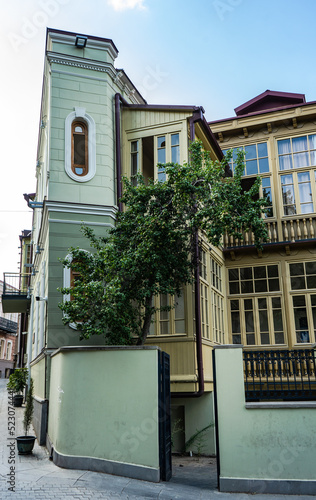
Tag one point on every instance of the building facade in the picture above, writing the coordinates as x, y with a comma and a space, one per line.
271, 294
95, 127
8, 340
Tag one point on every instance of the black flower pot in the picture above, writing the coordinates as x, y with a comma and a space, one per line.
25, 444
17, 400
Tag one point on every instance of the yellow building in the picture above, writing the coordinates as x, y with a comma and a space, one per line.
271, 295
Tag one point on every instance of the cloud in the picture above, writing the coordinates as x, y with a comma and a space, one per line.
127, 4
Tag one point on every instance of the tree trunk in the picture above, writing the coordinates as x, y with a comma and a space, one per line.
147, 320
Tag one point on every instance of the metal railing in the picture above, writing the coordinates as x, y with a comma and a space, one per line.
16, 283
7, 325
280, 375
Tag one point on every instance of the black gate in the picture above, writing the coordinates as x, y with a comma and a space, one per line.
164, 417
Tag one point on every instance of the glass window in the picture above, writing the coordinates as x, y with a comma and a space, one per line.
303, 275
256, 158
175, 148
79, 149
288, 195
134, 161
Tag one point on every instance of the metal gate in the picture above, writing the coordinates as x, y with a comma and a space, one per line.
164, 417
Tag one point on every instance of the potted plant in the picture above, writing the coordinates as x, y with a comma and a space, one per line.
16, 384
25, 443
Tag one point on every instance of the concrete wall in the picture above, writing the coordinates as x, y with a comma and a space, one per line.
103, 410
264, 447
190, 415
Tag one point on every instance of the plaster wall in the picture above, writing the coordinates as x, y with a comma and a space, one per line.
104, 405
276, 443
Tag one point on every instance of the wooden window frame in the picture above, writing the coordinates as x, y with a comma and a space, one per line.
85, 166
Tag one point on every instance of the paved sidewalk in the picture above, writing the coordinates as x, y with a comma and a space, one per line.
36, 477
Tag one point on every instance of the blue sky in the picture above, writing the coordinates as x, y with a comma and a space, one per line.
214, 53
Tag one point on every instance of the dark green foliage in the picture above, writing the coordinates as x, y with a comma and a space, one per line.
151, 250
17, 380
29, 408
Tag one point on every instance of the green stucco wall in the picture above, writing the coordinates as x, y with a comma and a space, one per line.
104, 404
198, 414
275, 443
38, 374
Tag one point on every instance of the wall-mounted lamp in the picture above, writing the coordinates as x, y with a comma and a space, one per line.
45, 299
81, 41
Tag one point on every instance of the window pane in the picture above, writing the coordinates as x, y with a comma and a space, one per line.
161, 156
180, 326
273, 271
179, 307
249, 321
261, 286
298, 300
311, 281
262, 149
276, 302
251, 152
134, 146
262, 303
246, 287
298, 283
235, 322
251, 339
248, 304
299, 143
263, 319
234, 305
236, 339
174, 139
161, 142
310, 267
277, 320
251, 167
279, 338
79, 149
265, 338
260, 272
175, 154
301, 160
296, 269
234, 287
284, 146
274, 285
246, 273
312, 141
285, 162
263, 165
233, 274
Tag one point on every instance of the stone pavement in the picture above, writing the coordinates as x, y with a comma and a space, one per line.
36, 477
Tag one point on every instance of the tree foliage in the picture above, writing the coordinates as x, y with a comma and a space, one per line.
151, 249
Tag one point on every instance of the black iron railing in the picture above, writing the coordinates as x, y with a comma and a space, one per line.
16, 283
7, 325
280, 375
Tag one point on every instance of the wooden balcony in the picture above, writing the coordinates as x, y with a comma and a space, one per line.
289, 229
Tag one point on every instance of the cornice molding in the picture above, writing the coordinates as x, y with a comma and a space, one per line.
76, 62
78, 208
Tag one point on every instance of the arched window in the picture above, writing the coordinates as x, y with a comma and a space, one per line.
79, 148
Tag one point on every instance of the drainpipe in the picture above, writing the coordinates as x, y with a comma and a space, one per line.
197, 116
118, 100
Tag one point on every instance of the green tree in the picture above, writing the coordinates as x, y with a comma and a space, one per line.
152, 249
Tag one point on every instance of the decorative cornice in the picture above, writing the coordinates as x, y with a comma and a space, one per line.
82, 209
77, 62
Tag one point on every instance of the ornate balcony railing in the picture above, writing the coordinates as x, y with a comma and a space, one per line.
285, 230
280, 375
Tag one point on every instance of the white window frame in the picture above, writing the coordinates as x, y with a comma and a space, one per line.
80, 114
